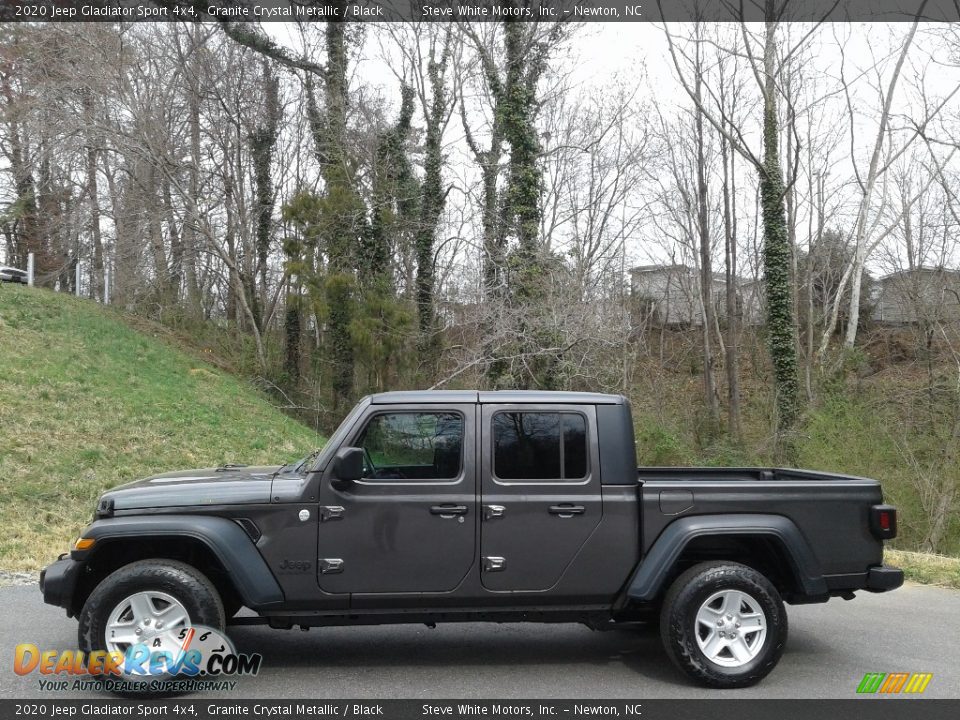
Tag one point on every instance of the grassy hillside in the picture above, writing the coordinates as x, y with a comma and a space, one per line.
87, 402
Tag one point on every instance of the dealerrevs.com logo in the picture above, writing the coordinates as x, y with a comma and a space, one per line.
192, 659
894, 683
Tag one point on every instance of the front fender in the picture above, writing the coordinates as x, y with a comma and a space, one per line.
652, 572
228, 542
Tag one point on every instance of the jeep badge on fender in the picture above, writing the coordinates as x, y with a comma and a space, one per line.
295, 565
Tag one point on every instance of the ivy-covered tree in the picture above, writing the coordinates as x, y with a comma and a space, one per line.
431, 203
302, 214
343, 223
263, 140
521, 203
394, 198
382, 325
777, 261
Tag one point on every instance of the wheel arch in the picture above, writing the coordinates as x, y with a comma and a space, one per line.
771, 544
216, 546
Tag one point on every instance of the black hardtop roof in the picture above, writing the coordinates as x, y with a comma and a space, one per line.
538, 397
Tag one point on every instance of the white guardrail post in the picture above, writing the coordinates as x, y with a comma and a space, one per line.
30, 269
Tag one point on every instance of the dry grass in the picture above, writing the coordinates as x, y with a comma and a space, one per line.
926, 568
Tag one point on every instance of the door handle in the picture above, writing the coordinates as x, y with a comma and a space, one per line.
448, 511
567, 511
493, 511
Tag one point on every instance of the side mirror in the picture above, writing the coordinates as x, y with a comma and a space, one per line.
348, 464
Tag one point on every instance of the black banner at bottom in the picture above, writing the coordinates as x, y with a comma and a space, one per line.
853, 709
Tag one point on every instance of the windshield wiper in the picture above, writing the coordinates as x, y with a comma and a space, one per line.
308, 460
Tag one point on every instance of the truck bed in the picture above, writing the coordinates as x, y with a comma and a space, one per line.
831, 511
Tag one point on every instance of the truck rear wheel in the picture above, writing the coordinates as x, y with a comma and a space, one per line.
723, 624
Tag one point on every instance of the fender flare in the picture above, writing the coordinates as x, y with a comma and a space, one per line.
652, 571
228, 542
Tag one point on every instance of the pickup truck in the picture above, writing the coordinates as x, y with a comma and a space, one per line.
446, 506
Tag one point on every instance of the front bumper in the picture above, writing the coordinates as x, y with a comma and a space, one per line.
58, 582
883, 578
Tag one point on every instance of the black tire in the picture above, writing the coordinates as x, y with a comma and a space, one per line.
678, 623
184, 582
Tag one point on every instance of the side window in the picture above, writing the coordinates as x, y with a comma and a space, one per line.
539, 446
413, 446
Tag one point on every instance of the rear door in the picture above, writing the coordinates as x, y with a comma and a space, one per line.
540, 492
409, 525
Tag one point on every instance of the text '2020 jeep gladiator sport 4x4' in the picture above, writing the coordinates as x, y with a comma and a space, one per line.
443, 506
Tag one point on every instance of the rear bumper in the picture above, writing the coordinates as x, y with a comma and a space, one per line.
883, 578
58, 582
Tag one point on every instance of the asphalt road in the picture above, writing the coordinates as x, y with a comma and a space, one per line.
831, 646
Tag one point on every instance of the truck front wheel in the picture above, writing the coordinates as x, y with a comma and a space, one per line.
148, 602
723, 624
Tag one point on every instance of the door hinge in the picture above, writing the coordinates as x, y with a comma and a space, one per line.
494, 564
330, 566
493, 511
331, 512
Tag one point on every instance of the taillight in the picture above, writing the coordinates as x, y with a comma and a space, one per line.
883, 521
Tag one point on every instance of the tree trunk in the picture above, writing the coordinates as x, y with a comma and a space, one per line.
293, 332
93, 198
230, 239
811, 270
706, 262
776, 245
431, 205
123, 272
521, 208
343, 208
176, 247
30, 237
262, 142
190, 249
155, 233
733, 311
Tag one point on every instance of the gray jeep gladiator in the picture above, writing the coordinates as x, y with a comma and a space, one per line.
446, 506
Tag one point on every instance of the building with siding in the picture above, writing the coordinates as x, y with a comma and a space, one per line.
669, 295
930, 294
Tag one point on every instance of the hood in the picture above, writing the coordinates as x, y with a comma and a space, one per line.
227, 485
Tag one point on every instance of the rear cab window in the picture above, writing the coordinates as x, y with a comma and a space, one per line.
536, 446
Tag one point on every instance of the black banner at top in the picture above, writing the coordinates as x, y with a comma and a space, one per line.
478, 10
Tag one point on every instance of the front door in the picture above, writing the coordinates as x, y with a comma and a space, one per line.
540, 492
410, 524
